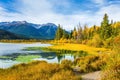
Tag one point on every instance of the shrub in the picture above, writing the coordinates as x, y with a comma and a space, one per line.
65, 75
96, 41
108, 43
117, 44
39, 70
91, 63
66, 64
112, 69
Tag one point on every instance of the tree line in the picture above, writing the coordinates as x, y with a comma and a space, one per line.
104, 34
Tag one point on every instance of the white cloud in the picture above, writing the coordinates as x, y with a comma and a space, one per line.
41, 11
112, 11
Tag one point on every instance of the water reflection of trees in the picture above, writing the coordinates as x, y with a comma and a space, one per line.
48, 55
52, 55
60, 57
45, 55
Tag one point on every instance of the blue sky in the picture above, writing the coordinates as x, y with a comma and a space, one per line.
68, 13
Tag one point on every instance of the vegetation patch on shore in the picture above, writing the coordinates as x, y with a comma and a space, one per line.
73, 48
39, 70
26, 58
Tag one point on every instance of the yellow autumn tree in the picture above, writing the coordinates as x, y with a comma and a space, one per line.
74, 33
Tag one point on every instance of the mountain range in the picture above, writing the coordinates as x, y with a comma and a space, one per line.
8, 35
30, 30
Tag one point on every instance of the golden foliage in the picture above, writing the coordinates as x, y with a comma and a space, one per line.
38, 70
77, 47
91, 63
112, 69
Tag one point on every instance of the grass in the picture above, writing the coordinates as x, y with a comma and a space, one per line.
39, 70
26, 58
112, 69
91, 63
78, 47
67, 47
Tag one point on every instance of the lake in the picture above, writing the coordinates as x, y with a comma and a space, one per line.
13, 53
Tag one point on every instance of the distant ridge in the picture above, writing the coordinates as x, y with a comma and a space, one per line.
37, 31
8, 35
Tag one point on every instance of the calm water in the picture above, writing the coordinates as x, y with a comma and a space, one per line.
12, 53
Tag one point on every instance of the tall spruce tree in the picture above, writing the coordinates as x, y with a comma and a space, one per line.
106, 29
59, 33
65, 35
85, 32
70, 35
74, 33
80, 35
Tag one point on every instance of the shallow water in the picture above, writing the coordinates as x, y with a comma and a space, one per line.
12, 53
10, 48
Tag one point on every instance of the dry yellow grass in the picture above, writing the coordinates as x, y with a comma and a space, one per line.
79, 47
38, 70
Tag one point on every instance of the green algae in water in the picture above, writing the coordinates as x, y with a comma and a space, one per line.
27, 58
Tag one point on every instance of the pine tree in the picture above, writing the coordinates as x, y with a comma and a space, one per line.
85, 32
65, 35
59, 33
106, 29
92, 31
74, 33
70, 35
80, 35
116, 28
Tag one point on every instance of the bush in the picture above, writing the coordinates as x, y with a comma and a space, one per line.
112, 69
66, 64
96, 41
39, 70
117, 44
91, 63
65, 75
